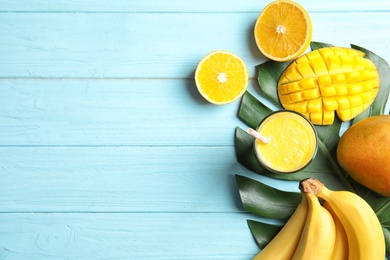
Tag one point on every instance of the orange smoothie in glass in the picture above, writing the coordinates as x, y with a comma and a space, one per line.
291, 144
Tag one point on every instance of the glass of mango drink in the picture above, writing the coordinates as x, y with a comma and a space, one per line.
285, 142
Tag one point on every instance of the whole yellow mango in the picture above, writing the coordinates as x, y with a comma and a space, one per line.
364, 153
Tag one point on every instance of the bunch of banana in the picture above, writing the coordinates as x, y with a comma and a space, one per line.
343, 227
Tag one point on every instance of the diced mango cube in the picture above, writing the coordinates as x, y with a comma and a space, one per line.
309, 83
319, 67
356, 110
367, 74
294, 87
338, 51
290, 106
305, 69
326, 52
370, 65
341, 90
343, 103
328, 91
369, 84
301, 106
338, 78
355, 88
375, 74
352, 76
315, 105
360, 63
312, 93
283, 80
325, 80
354, 53
283, 89
330, 103
316, 118
333, 64
327, 117
306, 114
347, 63
355, 100
285, 99
344, 114
302, 59
317, 63
297, 96
367, 97
292, 74
313, 55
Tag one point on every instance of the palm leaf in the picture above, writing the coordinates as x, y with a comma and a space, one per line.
266, 201
324, 167
263, 232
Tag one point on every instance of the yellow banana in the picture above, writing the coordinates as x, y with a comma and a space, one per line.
364, 232
340, 251
319, 234
283, 245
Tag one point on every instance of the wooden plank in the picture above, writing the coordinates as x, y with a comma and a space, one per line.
154, 45
181, 6
125, 236
122, 179
113, 112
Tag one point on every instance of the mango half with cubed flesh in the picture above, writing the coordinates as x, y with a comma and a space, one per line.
329, 80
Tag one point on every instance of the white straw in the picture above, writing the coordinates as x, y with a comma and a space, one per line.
258, 136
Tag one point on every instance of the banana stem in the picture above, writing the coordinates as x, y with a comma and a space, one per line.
311, 185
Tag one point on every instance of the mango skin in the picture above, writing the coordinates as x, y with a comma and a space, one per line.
364, 153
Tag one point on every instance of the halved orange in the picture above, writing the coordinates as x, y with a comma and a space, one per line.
221, 77
283, 30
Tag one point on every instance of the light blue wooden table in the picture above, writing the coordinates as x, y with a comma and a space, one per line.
107, 151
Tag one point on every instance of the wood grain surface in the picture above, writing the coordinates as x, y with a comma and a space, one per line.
107, 150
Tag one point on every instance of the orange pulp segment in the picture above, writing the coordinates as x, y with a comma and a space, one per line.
221, 77
283, 30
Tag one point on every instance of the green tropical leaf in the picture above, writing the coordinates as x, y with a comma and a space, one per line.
266, 201
268, 76
319, 45
245, 153
383, 214
386, 231
263, 232
252, 111
329, 137
324, 167
382, 211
